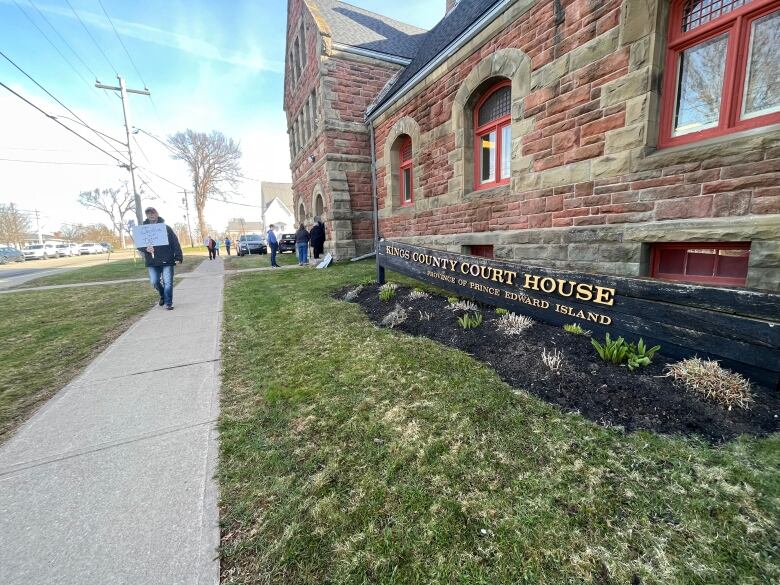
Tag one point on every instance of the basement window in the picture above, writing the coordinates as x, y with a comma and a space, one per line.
706, 263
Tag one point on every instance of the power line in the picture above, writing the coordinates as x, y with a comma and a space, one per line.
79, 119
160, 177
52, 162
150, 135
99, 48
56, 48
111, 22
55, 120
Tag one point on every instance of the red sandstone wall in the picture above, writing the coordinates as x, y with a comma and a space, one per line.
570, 126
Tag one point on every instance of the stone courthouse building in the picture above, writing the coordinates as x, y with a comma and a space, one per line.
639, 137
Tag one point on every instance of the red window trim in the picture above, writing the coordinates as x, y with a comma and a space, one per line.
737, 24
655, 260
496, 125
402, 166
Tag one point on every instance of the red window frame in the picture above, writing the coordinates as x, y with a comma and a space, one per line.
405, 146
494, 125
655, 261
737, 24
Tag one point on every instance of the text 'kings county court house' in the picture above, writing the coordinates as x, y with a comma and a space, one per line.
637, 138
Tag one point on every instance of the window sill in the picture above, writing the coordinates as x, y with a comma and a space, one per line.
724, 145
496, 191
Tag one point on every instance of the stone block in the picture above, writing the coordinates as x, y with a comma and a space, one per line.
636, 110
566, 175
625, 138
620, 90
611, 165
584, 252
550, 73
540, 252
628, 252
765, 254
729, 204
764, 278
700, 206
638, 17
594, 50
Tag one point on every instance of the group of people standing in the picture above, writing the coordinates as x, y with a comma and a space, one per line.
303, 239
213, 245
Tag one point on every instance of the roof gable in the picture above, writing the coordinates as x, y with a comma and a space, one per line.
356, 27
452, 26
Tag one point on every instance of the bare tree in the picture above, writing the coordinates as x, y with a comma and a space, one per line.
213, 160
72, 231
116, 203
14, 225
180, 229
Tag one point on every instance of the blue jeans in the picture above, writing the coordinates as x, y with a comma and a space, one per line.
303, 253
161, 278
274, 250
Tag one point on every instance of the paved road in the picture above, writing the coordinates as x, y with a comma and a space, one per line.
111, 482
17, 273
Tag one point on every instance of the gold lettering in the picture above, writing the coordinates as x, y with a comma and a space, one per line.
510, 276
436, 263
562, 284
584, 292
547, 281
604, 320
484, 272
464, 268
531, 282
498, 275
474, 270
452, 264
604, 296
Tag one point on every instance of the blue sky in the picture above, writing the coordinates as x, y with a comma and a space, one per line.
209, 65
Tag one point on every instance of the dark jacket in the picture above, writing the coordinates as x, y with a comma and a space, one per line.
317, 234
164, 255
302, 236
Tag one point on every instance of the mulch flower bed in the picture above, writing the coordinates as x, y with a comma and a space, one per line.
603, 392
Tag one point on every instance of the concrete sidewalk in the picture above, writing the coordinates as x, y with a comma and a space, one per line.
111, 482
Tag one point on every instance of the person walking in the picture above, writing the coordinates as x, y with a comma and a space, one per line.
273, 243
228, 243
161, 260
302, 244
317, 235
216, 248
210, 244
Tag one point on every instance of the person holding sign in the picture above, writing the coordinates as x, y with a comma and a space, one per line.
161, 254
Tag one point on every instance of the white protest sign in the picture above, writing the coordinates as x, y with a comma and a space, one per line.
326, 261
150, 234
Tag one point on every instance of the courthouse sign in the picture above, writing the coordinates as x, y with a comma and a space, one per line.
739, 327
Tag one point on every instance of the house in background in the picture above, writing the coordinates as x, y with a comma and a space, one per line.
239, 226
277, 202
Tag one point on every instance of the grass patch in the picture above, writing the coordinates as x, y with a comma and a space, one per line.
257, 261
121, 269
352, 454
50, 336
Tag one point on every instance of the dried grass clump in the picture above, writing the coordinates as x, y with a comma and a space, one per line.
553, 360
712, 381
513, 324
388, 286
418, 294
463, 306
395, 317
352, 294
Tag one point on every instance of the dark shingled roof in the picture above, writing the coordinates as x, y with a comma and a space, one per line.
466, 13
356, 27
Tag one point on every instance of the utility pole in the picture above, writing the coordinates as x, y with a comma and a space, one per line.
123, 91
38, 226
186, 202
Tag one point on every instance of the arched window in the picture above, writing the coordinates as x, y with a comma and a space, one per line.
722, 73
405, 172
493, 137
319, 206
301, 213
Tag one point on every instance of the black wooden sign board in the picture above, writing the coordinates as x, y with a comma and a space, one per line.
738, 327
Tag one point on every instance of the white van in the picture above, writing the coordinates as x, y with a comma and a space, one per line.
40, 251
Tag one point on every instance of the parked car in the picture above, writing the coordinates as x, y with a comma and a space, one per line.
107, 247
40, 251
75, 250
91, 248
10, 255
251, 244
287, 243
64, 250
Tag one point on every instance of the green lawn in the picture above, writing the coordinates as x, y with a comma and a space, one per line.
120, 269
50, 336
352, 454
257, 261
